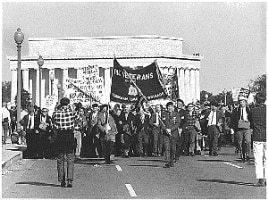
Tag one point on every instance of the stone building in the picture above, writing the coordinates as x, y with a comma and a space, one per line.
66, 57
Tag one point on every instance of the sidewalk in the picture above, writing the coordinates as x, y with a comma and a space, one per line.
11, 153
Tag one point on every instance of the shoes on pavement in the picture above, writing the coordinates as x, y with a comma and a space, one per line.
248, 160
260, 183
63, 184
192, 154
215, 154
69, 184
198, 152
167, 165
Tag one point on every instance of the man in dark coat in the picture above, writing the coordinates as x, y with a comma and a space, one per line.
30, 123
171, 122
215, 121
126, 122
142, 123
45, 131
241, 124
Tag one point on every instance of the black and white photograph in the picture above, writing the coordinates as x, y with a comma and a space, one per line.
134, 100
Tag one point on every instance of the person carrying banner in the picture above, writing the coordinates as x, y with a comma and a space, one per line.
142, 124
126, 120
158, 138
170, 123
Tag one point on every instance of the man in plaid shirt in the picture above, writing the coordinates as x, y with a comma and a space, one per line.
63, 119
189, 127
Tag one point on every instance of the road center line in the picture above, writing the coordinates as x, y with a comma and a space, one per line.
118, 168
130, 190
237, 166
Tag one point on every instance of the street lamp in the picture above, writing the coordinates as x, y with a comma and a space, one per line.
59, 91
40, 62
51, 77
206, 97
18, 37
225, 96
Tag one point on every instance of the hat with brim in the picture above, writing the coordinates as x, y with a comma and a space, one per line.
44, 110
241, 98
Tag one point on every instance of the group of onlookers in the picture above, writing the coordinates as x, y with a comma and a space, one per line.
145, 130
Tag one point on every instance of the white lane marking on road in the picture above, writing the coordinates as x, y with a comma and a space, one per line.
118, 168
237, 166
130, 190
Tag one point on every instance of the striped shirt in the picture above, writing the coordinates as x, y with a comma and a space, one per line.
64, 118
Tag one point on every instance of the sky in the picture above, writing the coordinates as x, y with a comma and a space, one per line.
230, 36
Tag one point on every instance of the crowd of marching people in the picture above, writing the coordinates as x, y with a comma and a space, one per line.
102, 131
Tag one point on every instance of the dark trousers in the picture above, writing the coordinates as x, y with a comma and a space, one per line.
143, 143
99, 145
32, 140
170, 148
44, 147
128, 140
179, 146
108, 150
61, 159
158, 141
189, 139
213, 135
244, 135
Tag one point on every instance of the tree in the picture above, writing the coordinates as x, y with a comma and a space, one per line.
203, 96
259, 84
25, 99
6, 91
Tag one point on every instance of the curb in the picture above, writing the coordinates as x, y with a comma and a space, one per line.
12, 160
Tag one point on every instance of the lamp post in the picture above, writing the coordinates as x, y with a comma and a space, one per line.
51, 77
225, 96
59, 91
40, 62
18, 37
206, 97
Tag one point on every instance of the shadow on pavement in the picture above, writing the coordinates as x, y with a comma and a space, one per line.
213, 160
153, 160
38, 184
145, 166
227, 182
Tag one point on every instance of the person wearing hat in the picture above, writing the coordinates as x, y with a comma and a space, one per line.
30, 125
180, 146
45, 131
170, 125
191, 118
241, 124
214, 119
64, 118
89, 145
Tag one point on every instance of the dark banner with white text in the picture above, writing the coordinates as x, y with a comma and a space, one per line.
148, 80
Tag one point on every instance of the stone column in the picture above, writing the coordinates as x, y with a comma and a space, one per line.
43, 92
25, 79
107, 84
197, 85
64, 77
192, 85
181, 84
187, 86
37, 87
14, 82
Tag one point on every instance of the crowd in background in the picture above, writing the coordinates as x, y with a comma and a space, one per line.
146, 129
131, 137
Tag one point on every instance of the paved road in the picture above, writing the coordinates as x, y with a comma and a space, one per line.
200, 177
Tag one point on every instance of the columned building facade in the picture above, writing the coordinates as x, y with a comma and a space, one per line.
65, 58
